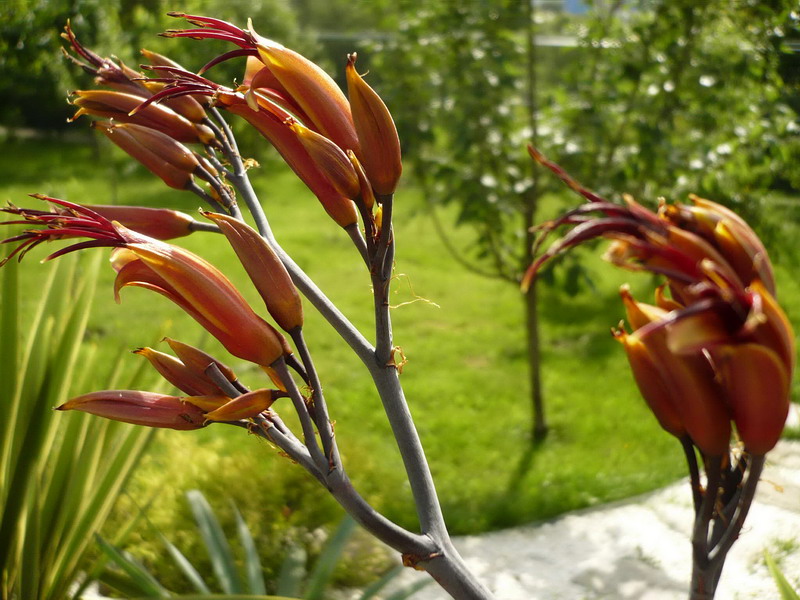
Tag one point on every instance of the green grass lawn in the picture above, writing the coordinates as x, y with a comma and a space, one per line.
466, 377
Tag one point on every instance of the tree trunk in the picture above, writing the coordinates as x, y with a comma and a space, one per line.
534, 359
530, 204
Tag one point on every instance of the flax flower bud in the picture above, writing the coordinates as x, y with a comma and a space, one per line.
259, 79
756, 381
313, 90
731, 234
688, 379
198, 361
270, 120
140, 408
186, 279
329, 158
245, 406
772, 327
159, 153
377, 134
178, 374
265, 269
127, 108
158, 223
650, 381
203, 292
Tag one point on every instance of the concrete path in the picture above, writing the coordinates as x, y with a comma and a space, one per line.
639, 548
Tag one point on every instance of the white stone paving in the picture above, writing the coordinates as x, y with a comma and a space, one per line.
639, 548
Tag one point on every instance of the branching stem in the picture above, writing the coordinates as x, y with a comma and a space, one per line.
322, 419
300, 407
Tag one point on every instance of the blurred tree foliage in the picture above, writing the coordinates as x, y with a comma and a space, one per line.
681, 96
35, 78
657, 97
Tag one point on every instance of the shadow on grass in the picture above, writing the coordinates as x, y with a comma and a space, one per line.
503, 513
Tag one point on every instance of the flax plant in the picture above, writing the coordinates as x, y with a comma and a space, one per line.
346, 151
714, 355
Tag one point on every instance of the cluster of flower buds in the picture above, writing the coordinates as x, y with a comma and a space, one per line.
202, 291
195, 286
715, 349
346, 152
153, 134
189, 281
188, 371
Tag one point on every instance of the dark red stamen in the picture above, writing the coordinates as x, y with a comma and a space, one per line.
201, 34
227, 56
564, 176
210, 22
67, 220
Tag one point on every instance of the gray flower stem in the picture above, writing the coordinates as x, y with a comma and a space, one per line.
745, 500
431, 550
322, 418
726, 502
300, 407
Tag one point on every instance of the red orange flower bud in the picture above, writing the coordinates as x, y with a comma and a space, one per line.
270, 121
178, 374
377, 134
731, 234
329, 158
691, 388
245, 406
198, 361
203, 292
140, 408
159, 153
158, 223
771, 327
367, 193
756, 382
313, 90
650, 381
744, 252
127, 108
265, 269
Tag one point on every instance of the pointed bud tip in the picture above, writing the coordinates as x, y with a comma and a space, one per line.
535, 154
626, 295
